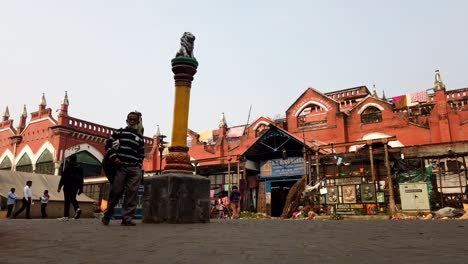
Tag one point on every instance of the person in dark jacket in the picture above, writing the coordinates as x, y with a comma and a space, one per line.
72, 183
126, 150
234, 199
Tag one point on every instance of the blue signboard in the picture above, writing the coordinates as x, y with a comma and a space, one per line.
139, 207
293, 166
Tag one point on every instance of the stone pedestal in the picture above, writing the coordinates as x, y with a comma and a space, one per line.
176, 198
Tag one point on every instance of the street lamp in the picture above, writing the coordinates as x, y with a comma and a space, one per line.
161, 149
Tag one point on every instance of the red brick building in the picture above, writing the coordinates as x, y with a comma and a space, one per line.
419, 122
42, 144
435, 117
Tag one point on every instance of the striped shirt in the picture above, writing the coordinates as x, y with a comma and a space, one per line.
131, 147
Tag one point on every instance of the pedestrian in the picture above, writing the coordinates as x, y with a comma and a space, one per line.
72, 183
44, 203
126, 153
234, 199
27, 200
221, 209
11, 201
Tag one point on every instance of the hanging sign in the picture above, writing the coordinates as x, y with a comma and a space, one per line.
293, 166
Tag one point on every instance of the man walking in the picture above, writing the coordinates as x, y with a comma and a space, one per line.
72, 183
27, 200
126, 153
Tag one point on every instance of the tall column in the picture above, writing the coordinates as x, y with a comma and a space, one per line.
178, 160
176, 195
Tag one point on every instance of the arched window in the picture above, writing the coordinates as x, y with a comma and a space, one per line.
371, 115
45, 163
6, 164
312, 115
24, 164
91, 166
261, 129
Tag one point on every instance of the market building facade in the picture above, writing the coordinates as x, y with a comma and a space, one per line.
330, 137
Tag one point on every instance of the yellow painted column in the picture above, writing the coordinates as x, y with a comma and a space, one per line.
178, 160
181, 114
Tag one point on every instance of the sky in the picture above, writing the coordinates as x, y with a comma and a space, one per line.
113, 57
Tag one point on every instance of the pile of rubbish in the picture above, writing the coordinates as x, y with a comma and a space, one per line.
304, 212
443, 213
251, 215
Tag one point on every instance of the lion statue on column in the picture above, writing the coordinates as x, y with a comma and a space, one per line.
186, 46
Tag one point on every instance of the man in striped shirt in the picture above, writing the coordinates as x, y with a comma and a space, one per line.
126, 152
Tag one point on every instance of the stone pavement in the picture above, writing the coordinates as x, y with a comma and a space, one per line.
234, 241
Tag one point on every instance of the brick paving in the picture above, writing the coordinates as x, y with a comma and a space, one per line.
234, 241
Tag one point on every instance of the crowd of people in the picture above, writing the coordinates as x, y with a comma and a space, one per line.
228, 206
72, 183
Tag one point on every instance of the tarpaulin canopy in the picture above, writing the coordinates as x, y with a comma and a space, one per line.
40, 182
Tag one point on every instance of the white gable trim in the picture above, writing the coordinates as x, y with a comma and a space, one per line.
368, 105
260, 123
39, 120
8, 154
84, 147
46, 145
28, 151
307, 104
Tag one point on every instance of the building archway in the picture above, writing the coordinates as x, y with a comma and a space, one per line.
312, 114
24, 164
5, 164
91, 166
45, 163
371, 115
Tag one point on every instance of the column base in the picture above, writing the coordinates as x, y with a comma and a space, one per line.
176, 198
178, 161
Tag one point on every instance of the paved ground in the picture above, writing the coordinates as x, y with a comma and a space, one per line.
235, 241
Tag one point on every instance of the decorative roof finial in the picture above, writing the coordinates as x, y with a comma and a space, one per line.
374, 93
25, 113
65, 99
6, 114
158, 132
43, 100
438, 84
383, 95
222, 121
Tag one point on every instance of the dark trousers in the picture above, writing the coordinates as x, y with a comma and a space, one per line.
43, 210
126, 179
70, 197
10, 209
26, 205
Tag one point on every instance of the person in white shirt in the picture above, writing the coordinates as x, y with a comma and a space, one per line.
27, 200
44, 203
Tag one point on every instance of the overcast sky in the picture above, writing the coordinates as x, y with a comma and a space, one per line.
114, 56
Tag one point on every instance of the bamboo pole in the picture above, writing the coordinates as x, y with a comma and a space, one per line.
371, 158
391, 195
